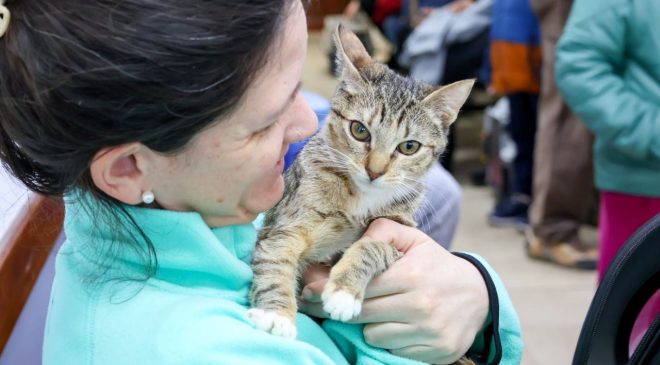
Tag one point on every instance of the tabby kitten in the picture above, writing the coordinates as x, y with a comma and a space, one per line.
382, 136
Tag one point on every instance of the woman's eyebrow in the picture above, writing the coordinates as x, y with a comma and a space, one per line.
289, 100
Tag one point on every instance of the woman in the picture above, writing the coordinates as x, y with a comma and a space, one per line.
164, 124
607, 70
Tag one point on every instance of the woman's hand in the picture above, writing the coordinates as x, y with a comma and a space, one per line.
458, 6
420, 15
429, 305
352, 9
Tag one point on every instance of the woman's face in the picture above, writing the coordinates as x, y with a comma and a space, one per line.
232, 171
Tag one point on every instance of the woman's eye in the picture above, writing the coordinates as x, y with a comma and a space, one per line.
264, 129
359, 131
409, 147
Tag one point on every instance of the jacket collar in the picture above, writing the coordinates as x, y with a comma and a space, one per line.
189, 253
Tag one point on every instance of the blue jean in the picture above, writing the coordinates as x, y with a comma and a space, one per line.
522, 129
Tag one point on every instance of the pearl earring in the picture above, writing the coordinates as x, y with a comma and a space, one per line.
148, 197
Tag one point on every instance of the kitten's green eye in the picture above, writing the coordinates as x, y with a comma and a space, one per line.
359, 131
409, 147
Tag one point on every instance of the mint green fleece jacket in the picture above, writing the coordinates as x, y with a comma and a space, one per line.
193, 309
608, 70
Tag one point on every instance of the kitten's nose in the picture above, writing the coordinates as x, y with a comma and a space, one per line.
373, 175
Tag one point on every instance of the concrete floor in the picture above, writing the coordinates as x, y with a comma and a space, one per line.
551, 301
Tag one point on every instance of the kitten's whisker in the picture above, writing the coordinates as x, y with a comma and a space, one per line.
414, 188
333, 161
333, 166
347, 159
424, 201
410, 194
426, 215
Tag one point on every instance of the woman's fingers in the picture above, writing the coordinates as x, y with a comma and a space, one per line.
394, 280
312, 291
402, 237
423, 353
315, 272
314, 278
382, 285
391, 335
390, 308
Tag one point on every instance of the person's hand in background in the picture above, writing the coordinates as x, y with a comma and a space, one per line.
352, 9
420, 15
458, 6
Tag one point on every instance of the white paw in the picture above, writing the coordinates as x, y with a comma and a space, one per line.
272, 323
341, 305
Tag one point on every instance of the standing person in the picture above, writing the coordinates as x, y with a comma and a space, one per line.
563, 172
608, 71
164, 124
516, 61
377, 10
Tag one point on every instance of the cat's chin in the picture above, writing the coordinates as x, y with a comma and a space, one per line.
365, 184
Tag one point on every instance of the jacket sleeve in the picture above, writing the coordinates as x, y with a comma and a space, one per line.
500, 342
590, 55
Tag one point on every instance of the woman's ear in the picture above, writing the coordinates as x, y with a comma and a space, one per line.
121, 172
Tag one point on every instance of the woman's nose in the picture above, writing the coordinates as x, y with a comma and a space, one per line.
302, 121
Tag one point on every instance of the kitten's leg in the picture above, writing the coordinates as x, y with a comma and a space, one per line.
275, 264
343, 294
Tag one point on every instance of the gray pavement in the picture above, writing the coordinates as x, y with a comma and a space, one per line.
551, 301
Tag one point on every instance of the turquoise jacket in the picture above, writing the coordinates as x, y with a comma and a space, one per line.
608, 69
193, 309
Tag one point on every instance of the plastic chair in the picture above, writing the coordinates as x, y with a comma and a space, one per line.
632, 278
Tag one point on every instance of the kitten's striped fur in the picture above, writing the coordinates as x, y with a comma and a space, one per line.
330, 198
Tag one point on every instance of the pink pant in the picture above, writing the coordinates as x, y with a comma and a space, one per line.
620, 216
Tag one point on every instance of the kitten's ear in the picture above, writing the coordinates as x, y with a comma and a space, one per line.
351, 54
448, 100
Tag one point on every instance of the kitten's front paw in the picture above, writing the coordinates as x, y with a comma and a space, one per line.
272, 322
340, 304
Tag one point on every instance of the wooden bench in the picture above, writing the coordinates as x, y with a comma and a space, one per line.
29, 227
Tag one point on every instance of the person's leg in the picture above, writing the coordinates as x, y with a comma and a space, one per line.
614, 227
563, 180
438, 214
522, 128
391, 27
563, 175
620, 216
512, 210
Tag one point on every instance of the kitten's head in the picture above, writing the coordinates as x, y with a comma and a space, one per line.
390, 127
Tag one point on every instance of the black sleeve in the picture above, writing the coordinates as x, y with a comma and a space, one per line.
490, 335
368, 6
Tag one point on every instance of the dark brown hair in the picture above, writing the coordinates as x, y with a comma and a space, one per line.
80, 75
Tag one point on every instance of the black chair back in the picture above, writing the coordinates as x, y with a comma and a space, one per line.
632, 278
